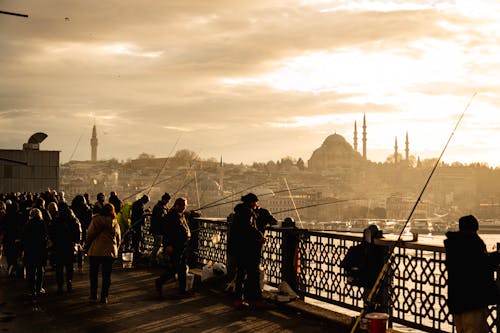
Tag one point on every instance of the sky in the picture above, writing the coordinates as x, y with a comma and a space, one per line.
251, 81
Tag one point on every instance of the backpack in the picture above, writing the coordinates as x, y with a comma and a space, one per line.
354, 264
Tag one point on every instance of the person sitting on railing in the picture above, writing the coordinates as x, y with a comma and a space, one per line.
246, 242
471, 284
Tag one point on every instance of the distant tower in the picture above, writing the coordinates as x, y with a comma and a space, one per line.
396, 150
93, 145
364, 136
407, 149
355, 137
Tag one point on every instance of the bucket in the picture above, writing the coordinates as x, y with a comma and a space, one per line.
127, 259
377, 322
189, 281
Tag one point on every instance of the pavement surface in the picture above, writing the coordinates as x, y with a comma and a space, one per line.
134, 306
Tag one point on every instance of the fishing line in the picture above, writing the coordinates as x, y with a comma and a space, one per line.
293, 202
164, 163
207, 206
385, 268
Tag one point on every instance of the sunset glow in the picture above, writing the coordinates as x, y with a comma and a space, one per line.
255, 71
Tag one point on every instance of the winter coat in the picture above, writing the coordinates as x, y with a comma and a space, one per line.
66, 233
104, 236
177, 231
245, 237
158, 219
471, 283
35, 242
137, 215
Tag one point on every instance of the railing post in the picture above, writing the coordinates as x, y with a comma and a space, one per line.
289, 255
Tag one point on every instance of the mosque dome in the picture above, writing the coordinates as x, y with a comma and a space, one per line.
334, 152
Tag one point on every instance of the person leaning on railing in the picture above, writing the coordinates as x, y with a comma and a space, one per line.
471, 285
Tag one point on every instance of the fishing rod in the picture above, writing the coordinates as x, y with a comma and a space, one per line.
158, 174
159, 182
186, 177
164, 163
236, 200
12, 13
313, 205
233, 194
385, 268
76, 146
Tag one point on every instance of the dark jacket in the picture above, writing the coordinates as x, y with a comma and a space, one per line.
158, 218
66, 233
35, 242
471, 283
245, 237
177, 231
137, 215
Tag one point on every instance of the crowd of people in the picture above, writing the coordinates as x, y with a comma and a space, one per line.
43, 230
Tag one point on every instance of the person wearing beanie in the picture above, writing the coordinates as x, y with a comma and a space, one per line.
471, 285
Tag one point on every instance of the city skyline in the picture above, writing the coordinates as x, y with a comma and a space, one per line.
251, 81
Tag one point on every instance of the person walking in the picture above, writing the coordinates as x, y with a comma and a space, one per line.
35, 243
471, 284
176, 244
104, 238
66, 236
83, 213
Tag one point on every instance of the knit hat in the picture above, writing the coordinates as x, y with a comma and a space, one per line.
250, 197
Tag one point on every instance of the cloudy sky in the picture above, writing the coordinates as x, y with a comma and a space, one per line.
252, 80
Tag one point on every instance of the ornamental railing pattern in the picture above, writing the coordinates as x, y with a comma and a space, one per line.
418, 274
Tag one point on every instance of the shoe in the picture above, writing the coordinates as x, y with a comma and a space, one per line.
158, 287
42, 291
240, 305
261, 305
104, 300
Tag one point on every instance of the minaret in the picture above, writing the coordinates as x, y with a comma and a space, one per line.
364, 136
396, 150
407, 149
93, 145
355, 137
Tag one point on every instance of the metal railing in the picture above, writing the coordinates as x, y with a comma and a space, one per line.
418, 281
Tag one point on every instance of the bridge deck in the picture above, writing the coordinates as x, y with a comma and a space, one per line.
135, 307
